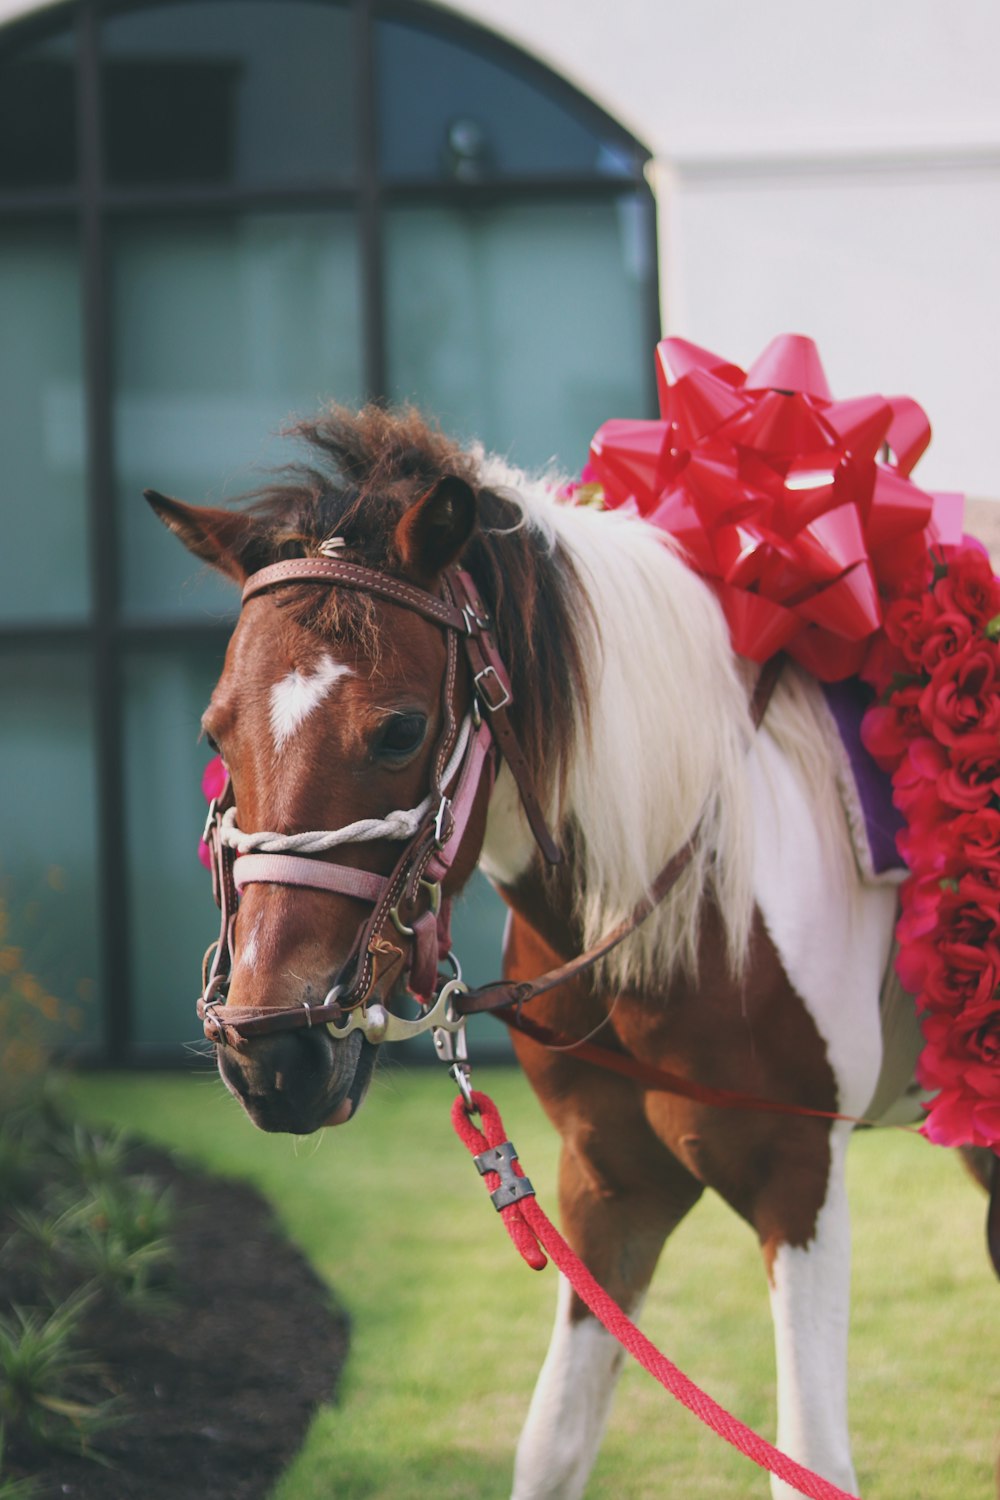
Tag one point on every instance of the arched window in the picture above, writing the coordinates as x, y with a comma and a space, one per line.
214, 216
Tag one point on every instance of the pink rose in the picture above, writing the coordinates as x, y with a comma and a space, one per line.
908, 621
961, 703
961, 1058
969, 586
949, 635
887, 730
214, 778
959, 975
915, 784
973, 777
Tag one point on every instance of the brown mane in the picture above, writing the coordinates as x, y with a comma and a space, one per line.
362, 471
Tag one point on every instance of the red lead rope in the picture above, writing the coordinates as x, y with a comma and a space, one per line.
531, 1230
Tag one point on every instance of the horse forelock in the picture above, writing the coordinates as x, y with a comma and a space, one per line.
360, 473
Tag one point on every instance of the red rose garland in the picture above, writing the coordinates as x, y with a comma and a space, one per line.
936, 728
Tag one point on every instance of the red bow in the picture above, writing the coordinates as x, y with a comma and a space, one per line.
779, 497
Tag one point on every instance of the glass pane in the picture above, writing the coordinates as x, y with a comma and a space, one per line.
522, 326
229, 91
48, 848
477, 928
38, 113
224, 331
43, 556
173, 916
449, 110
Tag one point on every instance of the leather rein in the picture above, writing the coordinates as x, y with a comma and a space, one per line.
407, 932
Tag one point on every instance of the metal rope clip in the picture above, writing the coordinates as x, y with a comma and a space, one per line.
512, 1188
460, 1073
450, 1041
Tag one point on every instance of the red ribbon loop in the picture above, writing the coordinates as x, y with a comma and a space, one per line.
778, 495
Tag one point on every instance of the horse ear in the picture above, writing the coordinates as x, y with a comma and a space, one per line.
223, 538
432, 533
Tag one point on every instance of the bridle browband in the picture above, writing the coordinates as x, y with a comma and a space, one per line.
407, 904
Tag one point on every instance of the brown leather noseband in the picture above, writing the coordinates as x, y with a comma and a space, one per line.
463, 755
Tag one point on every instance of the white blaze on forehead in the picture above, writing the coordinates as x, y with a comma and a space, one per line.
295, 696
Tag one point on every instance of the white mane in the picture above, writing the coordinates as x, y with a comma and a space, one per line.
665, 750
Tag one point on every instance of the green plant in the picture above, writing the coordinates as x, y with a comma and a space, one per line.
92, 1157
134, 1210
50, 1239
122, 1230
45, 1378
135, 1275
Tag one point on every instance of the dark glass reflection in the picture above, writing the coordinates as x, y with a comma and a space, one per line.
231, 91
448, 111
38, 115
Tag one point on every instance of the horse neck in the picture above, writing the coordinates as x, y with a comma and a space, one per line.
654, 747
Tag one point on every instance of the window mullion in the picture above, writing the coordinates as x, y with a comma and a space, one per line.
370, 206
104, 553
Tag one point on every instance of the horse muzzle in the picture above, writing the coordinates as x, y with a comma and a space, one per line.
298, 1081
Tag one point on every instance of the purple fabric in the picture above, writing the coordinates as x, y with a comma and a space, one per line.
848, 702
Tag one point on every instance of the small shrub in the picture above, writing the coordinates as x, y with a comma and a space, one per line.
46, 1241
77, 1230
91, 1157
44, 1378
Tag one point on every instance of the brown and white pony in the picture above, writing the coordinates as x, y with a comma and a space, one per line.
761, 971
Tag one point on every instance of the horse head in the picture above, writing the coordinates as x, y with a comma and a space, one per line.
338, 708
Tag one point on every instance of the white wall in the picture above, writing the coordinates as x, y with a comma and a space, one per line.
831, 170
825, 169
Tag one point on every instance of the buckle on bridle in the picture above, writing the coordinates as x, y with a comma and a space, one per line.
474, 621
443, 824
433, 889
499, 700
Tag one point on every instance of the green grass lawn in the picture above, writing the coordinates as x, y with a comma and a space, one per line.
449, 1326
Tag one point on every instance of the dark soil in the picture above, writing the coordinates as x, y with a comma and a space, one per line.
217, 1381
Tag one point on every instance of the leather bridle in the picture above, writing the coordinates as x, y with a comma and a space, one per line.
407, 905
408, 911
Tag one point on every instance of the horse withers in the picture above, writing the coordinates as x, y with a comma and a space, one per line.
389, 590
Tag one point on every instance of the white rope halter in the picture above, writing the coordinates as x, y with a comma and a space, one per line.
398, 826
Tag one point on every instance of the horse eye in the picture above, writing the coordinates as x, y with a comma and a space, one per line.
401, 735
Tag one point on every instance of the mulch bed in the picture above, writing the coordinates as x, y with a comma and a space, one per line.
218, 1385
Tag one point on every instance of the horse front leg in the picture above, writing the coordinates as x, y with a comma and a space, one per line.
810, 1295
618, 1234
569, 1409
